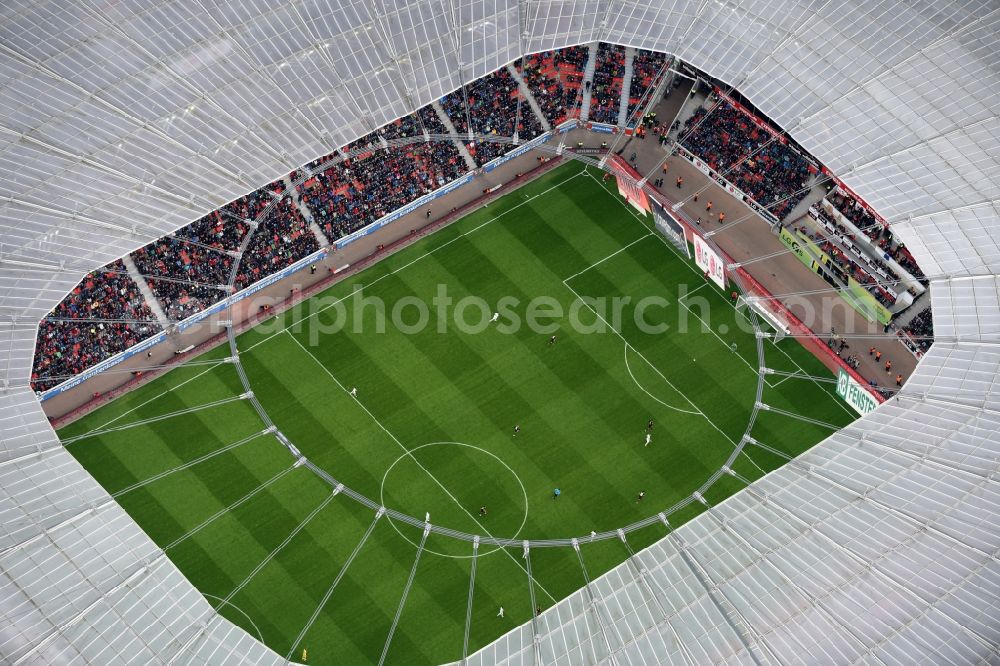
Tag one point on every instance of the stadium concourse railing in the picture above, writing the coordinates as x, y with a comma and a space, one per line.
805, 335
255, 317
319, 255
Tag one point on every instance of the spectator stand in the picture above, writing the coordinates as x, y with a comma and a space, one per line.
870, 271
746, 157
752, 289
555, 79
872, 232
648, 70
372, 181
917, 335
103, 316
606, 92
491, 107
188, 270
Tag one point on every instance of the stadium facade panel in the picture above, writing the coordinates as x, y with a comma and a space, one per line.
124, 122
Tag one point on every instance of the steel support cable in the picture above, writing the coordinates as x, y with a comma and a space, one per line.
595, 605
799, 417
536, 631
143, 368
139, 569
468, 602
203, 628
153, 419
194, 243
329, 591
737, 622
395, 515
277, 549
227, 509
647, 581
873, 566
619, 137
814, 471
759, 557
162, 278
406, 592
188, 465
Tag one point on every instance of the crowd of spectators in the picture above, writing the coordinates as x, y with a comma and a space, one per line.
104, 315
185, 278
496, 108
748, 156
554, 79
879, 233
646, 67
281, 238
860, 273
358, 191
921, 327
609, 76
186, 269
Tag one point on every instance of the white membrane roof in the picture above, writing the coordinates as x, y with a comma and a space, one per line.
123, 121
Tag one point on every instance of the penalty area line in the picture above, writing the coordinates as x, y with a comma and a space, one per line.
601, 261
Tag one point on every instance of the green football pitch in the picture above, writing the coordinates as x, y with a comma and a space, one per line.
431, 430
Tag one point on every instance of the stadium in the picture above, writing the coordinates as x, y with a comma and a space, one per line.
550, 331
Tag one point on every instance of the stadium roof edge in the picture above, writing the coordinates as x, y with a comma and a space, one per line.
897, 511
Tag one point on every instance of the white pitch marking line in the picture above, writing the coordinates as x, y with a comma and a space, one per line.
655, 369
674, 250
173, 388
641, 388
243, 612
353, 293
410, 454
598, 263
524, 520
718, 337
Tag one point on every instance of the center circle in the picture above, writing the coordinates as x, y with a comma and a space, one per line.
428, 473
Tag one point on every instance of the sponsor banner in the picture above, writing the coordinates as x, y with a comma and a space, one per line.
405, 210
251, 290
602, 128
632, 194
856, 295
627, 187
517, 152
855, 395
864, 302
254, 288
760, 210
710, 262
792, 243
670, 227
567, 126
103, 365
870, 266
